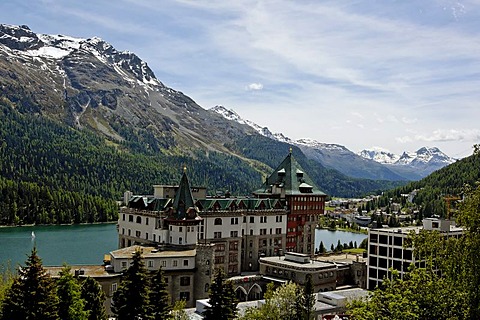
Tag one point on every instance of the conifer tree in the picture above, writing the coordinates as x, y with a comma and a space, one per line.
131, 301
71, 306
94, 298
308, 298
32, 295
223, 302
322, 248
159, 297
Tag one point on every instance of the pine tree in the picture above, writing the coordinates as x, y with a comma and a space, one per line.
159, 297
71, 306
223, 302
131, 301
32, 295
322, 248
94, 297
308, 298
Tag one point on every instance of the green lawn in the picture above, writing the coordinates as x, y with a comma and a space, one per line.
354, 251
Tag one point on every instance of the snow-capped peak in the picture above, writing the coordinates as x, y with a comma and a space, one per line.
379, 155
22, 41
422, 155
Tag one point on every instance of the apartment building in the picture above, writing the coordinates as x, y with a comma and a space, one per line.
388, 248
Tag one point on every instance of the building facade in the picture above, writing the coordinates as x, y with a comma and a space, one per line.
281, 217
388, 248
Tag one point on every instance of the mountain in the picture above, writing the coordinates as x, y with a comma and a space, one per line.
78, 115
333, 156
414, 165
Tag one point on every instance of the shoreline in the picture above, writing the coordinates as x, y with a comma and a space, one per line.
62, 224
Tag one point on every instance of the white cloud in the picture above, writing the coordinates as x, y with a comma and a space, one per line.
409, 120
254, 87
471, 135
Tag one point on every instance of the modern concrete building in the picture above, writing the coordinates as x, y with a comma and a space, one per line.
388, 249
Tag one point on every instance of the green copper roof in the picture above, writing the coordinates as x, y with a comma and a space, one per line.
290, 178
183, 204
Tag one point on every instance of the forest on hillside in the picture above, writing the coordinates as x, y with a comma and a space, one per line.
439, 188
83, 172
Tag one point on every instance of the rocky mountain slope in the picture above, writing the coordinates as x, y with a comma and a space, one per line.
91, 87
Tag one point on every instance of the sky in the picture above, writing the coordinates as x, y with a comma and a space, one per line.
397, 75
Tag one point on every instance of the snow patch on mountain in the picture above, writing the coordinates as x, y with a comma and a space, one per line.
23, 42
424, 155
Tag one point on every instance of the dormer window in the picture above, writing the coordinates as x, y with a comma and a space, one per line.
281, 172
299, 173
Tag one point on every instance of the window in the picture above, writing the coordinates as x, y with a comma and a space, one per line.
114, 287
124, 264
184, 281
233, 246
130, 218
146, 221
220, 259
123, 230
180, 229
123, 218
175, 263
252, 219
233, 220
146, 235
278, 219
185, 263
138, 234
164, 263
263, 232
180, 240
278, 231
185, 296
251, 232
220, 247
150, 263
217, 235
263, 219
139, 219
233, 234
218, 221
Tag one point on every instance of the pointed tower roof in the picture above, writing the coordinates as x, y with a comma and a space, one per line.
288, 179
183, 204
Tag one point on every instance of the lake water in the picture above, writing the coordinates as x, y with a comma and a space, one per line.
331, 237
75, 244
87, 244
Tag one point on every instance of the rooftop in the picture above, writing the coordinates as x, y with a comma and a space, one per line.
313, 265
94, 271
151, 252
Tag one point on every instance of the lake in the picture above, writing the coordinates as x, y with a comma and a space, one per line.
74, 244
331, 237
87, 244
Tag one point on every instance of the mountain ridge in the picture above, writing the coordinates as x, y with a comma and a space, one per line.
88, 85
408, 166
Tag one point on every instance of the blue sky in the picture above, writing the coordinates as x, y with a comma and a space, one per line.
393, 74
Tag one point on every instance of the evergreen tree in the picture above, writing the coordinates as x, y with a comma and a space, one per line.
223, 302
131, 301
159, 297
71, 306
308, 298
94, 298
32, 295
322, 248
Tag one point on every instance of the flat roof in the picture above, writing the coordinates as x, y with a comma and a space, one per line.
151, 252
94, 271
280, 261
